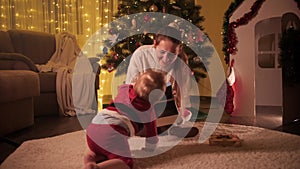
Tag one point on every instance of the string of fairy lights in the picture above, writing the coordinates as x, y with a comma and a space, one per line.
80, 17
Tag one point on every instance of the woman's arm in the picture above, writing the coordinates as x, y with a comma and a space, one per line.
133, 67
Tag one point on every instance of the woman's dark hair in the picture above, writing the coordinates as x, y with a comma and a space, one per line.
170, 33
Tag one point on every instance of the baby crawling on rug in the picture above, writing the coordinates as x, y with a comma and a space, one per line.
130, 112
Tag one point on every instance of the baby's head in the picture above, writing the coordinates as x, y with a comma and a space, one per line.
150, 85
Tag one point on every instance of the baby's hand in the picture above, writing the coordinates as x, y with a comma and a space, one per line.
186, 116
187, 113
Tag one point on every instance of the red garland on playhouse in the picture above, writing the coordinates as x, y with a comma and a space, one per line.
231, 35
229, 32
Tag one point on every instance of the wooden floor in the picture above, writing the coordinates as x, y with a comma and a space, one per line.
267, 117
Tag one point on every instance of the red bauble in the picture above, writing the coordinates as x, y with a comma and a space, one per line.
115, 56
147, 18
233, 24
110, 67
112, 31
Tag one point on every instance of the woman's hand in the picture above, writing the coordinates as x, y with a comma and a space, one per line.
187, 115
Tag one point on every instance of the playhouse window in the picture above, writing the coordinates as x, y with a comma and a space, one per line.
268, 36
266, 52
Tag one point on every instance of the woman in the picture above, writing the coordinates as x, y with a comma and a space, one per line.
166, 54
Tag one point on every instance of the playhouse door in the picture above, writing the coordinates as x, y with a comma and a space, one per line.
268, 78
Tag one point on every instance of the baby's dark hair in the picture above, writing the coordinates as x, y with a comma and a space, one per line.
170, 33
148, 81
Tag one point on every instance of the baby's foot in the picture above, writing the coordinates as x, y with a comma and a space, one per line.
91, 165
89, 157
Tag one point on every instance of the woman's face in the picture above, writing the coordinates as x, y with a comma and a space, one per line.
166, 52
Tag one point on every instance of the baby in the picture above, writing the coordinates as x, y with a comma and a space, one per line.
130, 112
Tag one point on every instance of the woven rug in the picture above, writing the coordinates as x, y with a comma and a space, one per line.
261, 148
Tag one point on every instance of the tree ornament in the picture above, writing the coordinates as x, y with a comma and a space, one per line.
135, 4
192, 73
185, 13
121, 6
110, 68
190, 37
145, 32
115, 55
189, 3
172, 1
147, 18
176, 7
174, 25
105, 50
133, 23
138, 44
197, 59
153, 8
113, 38
112, 31
199, 36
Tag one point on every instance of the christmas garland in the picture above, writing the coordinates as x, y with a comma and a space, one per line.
229, 35
232, 7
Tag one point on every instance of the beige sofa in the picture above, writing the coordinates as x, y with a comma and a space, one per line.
22, 50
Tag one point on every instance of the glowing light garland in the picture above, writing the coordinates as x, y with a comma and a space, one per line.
79, 17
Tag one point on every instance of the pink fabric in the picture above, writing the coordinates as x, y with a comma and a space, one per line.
144, 111
110, 141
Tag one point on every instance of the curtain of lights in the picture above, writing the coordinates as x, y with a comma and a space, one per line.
80, 17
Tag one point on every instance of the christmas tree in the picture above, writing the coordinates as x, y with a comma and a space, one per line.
141, 19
